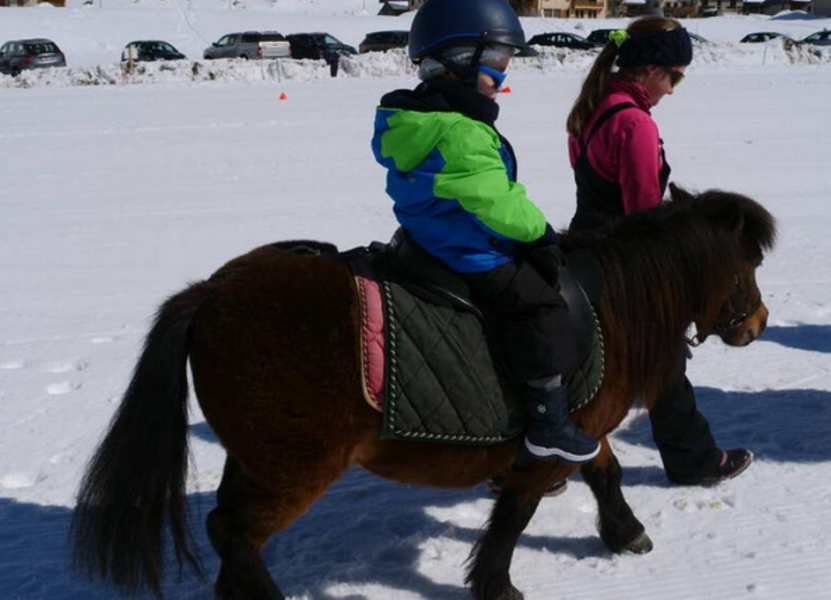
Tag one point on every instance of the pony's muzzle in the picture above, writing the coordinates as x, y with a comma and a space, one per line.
748, 331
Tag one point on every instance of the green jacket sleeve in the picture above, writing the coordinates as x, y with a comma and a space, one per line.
475, 176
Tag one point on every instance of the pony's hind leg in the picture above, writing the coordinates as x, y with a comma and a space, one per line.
620, 530
238, 531
245, 518
490, 560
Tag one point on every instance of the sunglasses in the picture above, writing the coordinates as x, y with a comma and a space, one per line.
497, 76
675, 77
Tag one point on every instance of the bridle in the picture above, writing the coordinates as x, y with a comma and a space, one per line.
738, 302
741, 308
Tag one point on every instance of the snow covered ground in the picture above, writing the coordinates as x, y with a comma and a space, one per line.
115, 196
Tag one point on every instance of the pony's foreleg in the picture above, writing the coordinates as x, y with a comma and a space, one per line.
490, 560
620, 530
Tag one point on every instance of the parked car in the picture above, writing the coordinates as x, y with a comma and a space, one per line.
315, 45
40, 53
697, 39
249, 45
599, 37
150, 50
561, 40
762, 36
380, 41
820, 38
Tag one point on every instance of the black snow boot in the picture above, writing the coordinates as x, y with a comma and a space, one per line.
550, 432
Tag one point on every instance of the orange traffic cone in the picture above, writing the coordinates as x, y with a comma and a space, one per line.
283, 96
506, 90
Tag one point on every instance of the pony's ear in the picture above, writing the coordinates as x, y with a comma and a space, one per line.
733, 218
678, 193
737, 220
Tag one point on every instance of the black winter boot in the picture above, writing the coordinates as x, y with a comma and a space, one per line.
550, 432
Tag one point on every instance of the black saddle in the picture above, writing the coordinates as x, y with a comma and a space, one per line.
428, 278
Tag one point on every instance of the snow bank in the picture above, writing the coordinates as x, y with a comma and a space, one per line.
385, 64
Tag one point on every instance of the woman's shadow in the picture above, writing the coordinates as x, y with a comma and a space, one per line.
785, 426
815, 338
788, 425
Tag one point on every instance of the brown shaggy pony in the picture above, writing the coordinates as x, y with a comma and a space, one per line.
273, 344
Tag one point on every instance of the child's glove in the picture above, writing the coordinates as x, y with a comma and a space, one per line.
545, 255
547, 261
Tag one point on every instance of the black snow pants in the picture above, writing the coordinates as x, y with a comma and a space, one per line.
683, 435
531, 321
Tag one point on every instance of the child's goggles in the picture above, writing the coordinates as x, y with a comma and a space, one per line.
497, 76
495, 54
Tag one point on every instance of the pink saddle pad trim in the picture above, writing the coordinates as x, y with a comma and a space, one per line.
372, 341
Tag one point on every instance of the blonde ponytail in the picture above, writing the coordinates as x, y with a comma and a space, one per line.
593, 90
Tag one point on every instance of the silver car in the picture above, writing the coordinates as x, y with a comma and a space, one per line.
17, 55
249, 45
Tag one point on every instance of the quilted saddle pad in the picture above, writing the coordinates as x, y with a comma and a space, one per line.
431, 372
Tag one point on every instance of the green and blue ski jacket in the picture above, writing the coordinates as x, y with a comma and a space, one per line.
453, 182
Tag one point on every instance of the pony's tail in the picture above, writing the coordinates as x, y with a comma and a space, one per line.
135, 484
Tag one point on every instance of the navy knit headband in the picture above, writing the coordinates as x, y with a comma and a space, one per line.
665, 49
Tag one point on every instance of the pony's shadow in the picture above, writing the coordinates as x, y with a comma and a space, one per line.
777, 425
36, 557
367, 531
815, 338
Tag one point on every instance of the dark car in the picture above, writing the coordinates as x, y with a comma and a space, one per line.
697, 39
820, 38
317, 45
600, 37
18, 55
762, 36
150, 50
380, 41
561, 40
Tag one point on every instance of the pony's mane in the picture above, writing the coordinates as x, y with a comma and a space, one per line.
758, 226
664, 266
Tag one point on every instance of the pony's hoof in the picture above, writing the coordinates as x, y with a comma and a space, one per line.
640, 545
510, 594
500, 592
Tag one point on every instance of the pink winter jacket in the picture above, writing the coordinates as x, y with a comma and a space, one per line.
627, 148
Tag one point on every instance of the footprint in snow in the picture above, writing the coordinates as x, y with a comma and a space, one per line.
19, 481
63, 387
12, 365
714, 504
67, 366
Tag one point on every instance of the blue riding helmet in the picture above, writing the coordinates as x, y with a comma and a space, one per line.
442, 23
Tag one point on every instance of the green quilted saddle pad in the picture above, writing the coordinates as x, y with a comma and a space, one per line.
442, 380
